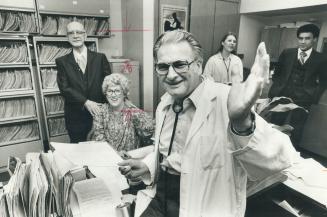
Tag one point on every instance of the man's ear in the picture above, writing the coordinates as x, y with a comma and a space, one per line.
199, 66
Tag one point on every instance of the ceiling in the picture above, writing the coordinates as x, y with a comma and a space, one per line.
312, 13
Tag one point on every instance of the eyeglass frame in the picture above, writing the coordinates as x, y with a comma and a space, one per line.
111, 92
171, 65
76, 32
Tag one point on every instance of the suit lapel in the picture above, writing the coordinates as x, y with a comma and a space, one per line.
292, 58
204, 108
89, 71
310, 63
77, 73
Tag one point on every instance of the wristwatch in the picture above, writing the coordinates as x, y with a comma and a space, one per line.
248, 131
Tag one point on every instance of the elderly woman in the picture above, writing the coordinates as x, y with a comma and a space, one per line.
120, 123
225, 66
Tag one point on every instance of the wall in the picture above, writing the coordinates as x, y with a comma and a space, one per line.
248, 6
202, 24
113, 46
323, 34
249, 38
158, 89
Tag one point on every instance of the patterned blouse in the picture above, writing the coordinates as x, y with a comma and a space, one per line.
126, 130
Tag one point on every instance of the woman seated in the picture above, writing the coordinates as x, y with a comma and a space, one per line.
225, 66
120, 123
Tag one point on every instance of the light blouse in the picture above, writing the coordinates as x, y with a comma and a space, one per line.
224, 71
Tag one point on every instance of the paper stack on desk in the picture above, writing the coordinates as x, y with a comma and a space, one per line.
51, 184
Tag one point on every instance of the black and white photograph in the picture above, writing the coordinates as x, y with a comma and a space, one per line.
163, 108
173, 17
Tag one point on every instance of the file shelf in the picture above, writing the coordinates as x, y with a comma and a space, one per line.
19, 113
15, 20
55, 24
51, 101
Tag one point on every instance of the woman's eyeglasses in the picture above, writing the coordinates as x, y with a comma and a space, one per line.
180, 66
114, 92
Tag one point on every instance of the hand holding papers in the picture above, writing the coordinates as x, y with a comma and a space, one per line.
100, 158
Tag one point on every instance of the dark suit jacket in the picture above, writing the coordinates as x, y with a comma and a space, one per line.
74, 90
315, 79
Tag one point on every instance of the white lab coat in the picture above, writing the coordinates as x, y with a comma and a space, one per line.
216, 163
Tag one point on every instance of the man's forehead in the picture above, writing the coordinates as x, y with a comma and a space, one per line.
175, 49
75, 26
305, 35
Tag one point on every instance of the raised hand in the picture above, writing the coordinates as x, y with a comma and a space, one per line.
242, 96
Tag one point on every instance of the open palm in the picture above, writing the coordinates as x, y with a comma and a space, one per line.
242, 96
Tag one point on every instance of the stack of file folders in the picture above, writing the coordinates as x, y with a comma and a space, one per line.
51, 185
17, 21
11, 79
39, 187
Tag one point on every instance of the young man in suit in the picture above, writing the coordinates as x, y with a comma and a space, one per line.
80, 76
300, 75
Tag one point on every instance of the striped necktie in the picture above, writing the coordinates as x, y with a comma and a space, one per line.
302, 57
81, 61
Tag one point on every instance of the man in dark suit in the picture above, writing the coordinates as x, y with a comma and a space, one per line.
80, 76
301, 74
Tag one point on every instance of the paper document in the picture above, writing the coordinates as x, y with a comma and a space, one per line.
95, 199
100, 158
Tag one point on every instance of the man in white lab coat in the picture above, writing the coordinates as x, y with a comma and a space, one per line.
208, 141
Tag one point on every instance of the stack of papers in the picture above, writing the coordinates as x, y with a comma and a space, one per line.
49, 26
52, 184
49, 78
48, 53
15, 79
13, 53
25, 130
57, 126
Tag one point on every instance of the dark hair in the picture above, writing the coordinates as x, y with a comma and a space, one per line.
309, 28
178, 36
220, 49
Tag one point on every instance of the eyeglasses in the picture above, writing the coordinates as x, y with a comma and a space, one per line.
180, 66
114, 92
76, 32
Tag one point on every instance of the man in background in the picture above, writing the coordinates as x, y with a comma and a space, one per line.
207, 141
300, 74
80, 76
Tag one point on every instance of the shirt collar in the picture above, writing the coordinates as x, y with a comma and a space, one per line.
221, 57
308, 52
194, 97
83, 53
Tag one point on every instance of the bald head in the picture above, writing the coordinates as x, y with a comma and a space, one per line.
76, 34
75, 24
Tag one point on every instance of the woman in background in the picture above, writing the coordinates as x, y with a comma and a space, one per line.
120, 123
225, 66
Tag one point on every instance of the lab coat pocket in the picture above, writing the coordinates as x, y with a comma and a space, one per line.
210, 153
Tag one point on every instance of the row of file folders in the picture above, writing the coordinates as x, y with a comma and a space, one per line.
25, 107
49, 52
37, 188
29, 130
17, 21
17, 52
56, 25
15, 79
21, 131
13, 52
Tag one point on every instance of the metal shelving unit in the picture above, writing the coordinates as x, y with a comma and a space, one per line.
20, 130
